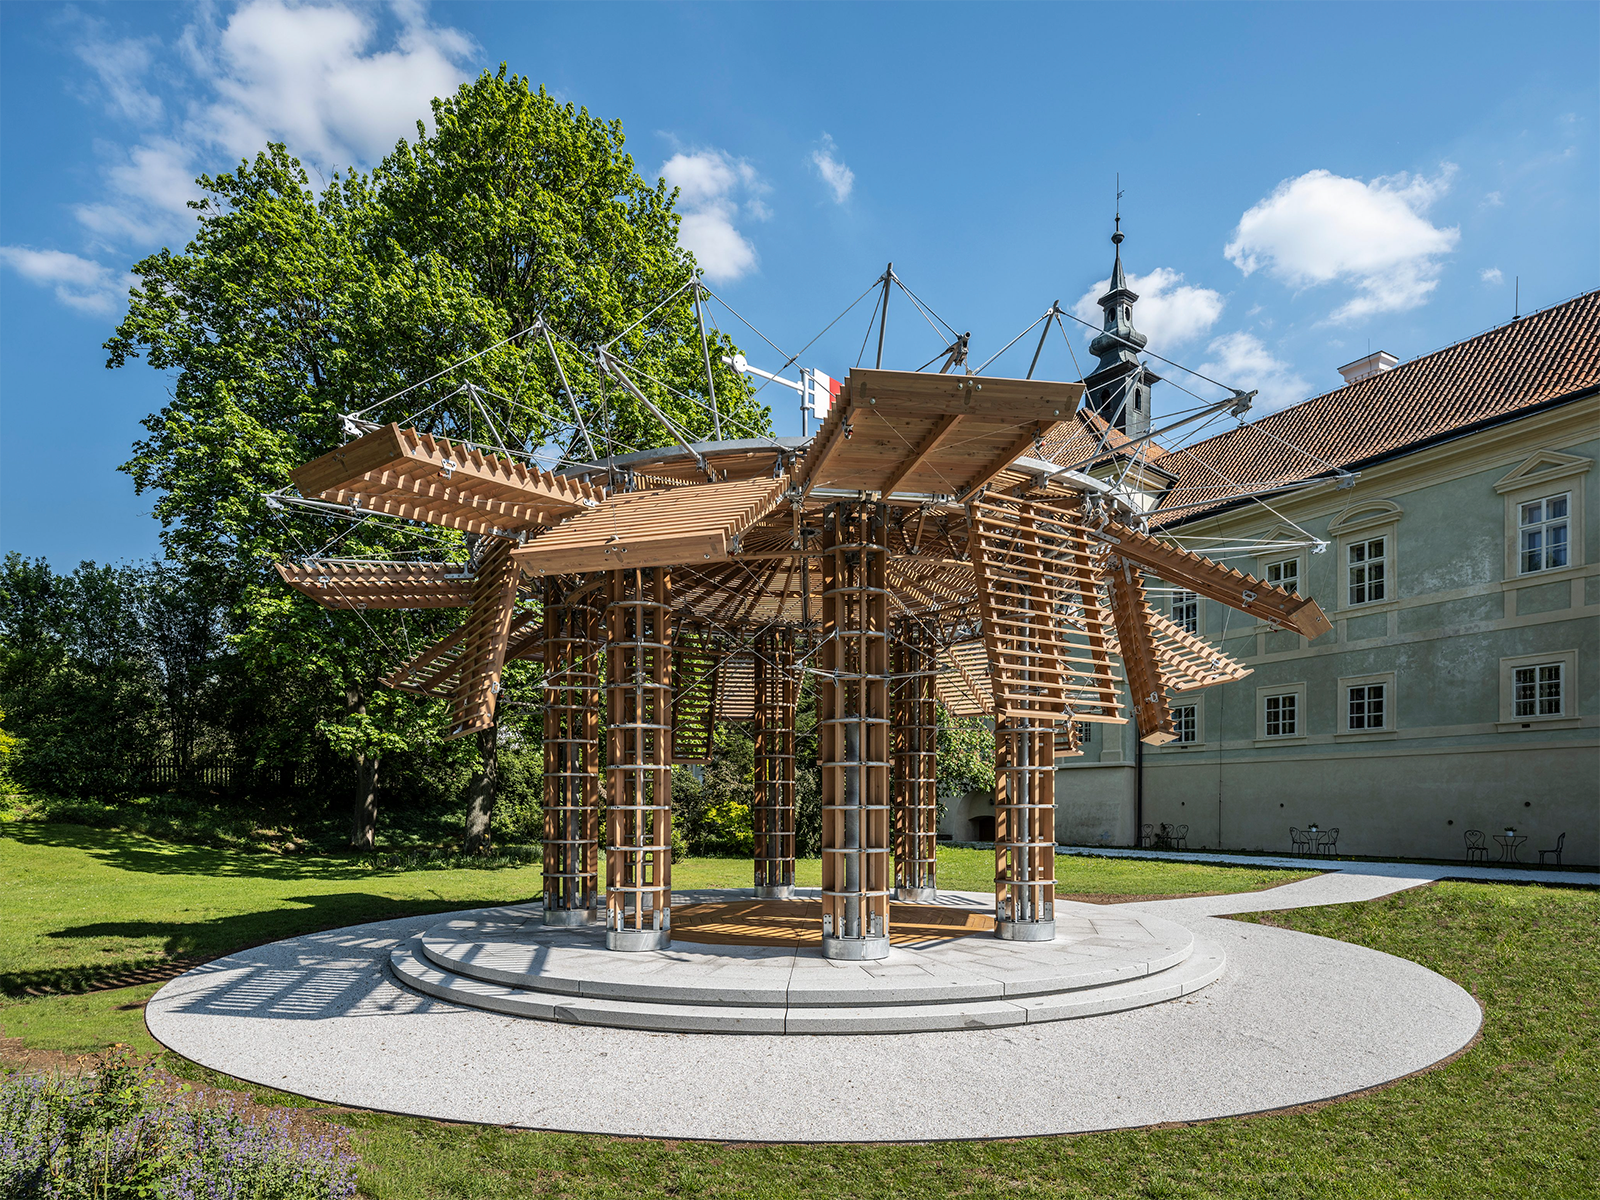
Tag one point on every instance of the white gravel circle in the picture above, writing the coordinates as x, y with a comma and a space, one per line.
1294, 1019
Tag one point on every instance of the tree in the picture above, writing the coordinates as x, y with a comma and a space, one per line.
289, 308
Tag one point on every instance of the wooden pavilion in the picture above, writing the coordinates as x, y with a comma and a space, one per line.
916, 551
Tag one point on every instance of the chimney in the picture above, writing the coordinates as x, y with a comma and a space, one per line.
1375, 363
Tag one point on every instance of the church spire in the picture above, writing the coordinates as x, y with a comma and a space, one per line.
1119, 387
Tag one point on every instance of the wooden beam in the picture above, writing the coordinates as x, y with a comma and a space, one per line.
941, 432
1223, 584
1004, 460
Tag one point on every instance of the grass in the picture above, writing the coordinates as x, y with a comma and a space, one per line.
1515, 1116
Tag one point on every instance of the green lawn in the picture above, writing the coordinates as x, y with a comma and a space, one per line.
1514, 1116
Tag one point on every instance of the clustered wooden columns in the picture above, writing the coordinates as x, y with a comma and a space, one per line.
638, 624
571, 754
915, 735
772, 817
1024, 830
853, 733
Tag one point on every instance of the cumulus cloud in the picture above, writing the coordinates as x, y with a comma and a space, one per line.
79, 283
1170, 312
840, 179
713, 189
1492, 275
316, 77
1322, 228
335, 81
1243, 361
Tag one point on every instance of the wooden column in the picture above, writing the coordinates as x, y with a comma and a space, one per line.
638, 760
914, 735
571, 757
1024, 830
853, 733
777, 693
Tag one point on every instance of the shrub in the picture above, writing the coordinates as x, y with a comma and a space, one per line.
116, 1133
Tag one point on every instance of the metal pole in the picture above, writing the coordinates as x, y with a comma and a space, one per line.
1049, 317
888, 278
705, 349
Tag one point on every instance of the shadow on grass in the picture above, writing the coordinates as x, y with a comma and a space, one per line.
135, 852
190, 943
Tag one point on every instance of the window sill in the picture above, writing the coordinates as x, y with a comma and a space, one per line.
1367, 735
1362, 610
1534, 578
1533, 723
1182, 746
1295, 740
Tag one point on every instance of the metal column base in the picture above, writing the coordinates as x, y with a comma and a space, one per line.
633, 940
570, 916
1026, 931
855, 949
916, 895
783, 891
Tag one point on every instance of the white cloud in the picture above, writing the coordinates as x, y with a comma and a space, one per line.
1322, 228
120, 67
1494, 200
79, 283
840, 178
1169, 312
1243, 361
1492, 275
712, 185
311, 75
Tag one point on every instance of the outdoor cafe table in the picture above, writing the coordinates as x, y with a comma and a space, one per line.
1508, 845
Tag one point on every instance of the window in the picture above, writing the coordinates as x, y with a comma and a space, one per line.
1365, 706
1185, 725
1366, 562
1283, 715
1186, 611
1284, 574
1542, 527
1539, 690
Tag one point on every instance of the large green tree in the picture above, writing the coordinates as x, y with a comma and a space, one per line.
384, 295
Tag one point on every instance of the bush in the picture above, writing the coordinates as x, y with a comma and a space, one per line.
115, 1133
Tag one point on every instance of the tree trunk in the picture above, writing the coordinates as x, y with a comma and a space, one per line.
480, 796
364, 814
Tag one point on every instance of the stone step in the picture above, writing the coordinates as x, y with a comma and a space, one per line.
1202, 965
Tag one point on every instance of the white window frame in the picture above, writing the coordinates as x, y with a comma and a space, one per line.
1548, 473
1363, 522
1197, 706
1567, 717
1266, 692
1565, 522
1267, 564
1386, 681
1185, 597
1366, 542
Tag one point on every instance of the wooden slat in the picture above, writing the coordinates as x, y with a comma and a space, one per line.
346, 585
483, 646
1223, 584
672, 527
1132, 614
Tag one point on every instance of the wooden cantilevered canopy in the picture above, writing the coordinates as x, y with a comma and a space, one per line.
404, 473
660, 528
363, 585
906, 432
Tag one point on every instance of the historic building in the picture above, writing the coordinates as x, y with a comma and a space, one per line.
1459, 689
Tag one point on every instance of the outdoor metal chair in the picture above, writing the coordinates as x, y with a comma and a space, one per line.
1560, 842
1164, 836
1328, 841
1180, 838
1477, 846
1299, 840
1147, 835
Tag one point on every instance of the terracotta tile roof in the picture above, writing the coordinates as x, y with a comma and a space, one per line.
1079, 440
1542, 357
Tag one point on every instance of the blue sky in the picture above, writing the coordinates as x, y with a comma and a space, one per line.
1302, 181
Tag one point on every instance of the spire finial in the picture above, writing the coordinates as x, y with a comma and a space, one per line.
1116, 236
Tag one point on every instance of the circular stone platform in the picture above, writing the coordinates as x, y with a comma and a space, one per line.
747, 966
1294, 1019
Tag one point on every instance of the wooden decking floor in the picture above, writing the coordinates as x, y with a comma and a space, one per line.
799, 923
